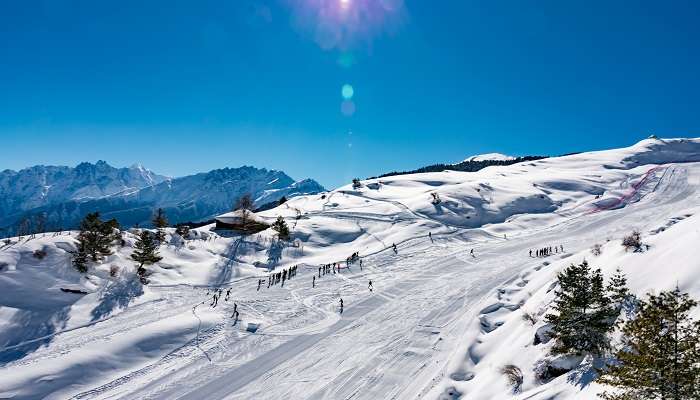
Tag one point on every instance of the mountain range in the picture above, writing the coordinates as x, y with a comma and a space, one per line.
55, 197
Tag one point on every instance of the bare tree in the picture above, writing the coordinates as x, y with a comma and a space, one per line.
244, 202
245, 205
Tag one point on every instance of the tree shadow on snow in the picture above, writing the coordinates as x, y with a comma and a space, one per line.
274, 253
116, 296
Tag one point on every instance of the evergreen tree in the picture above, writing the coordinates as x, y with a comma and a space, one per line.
583, 314
96, 236
617, 289
146, 251
356, 184
160, 221
661, 359
281, 227
80, 259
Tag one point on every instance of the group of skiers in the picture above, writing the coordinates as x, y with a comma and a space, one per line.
547, 251
215, 300
282, 276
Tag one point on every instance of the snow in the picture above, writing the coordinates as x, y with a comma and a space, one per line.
489, 156
440, 323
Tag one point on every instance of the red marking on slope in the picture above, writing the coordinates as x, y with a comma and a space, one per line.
626, 197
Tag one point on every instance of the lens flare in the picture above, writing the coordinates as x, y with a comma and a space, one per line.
342, 24
347, 108
347, 91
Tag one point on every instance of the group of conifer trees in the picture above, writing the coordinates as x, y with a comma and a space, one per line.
96, 238
659, 356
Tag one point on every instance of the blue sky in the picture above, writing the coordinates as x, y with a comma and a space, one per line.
185, 87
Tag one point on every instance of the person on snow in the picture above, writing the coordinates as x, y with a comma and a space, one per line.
235, 310
471, 252
313, 281
530, 252
395, 250
341, 305
370, 287
228, 293
259, 283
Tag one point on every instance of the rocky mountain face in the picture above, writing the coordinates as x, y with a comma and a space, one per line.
61, 196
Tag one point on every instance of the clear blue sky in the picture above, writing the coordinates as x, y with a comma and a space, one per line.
184, 86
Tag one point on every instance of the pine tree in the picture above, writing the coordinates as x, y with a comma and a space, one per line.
160, 221
80, 259
281, 227
146, 251
583, 313
661, 359
95, 236
617, 289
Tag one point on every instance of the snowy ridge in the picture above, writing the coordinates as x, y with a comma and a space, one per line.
440, 323
488, 156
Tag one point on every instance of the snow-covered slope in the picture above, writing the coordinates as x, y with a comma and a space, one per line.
439, 323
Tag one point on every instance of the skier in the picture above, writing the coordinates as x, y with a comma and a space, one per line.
228, 293
472, 253
313, 282
341, 305
259, 283
370, 287
530, 252
319, 272
395, 250
430, 236
235, 310
360, 264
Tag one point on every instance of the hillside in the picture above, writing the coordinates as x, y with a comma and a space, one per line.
440, 322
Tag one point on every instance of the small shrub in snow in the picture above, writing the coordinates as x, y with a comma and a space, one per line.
633, 241
529, 317
597, 249
514, 376
182, 230
39, 254
436, 198
113, 270
356, 184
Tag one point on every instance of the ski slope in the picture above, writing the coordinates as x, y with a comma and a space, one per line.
438, 324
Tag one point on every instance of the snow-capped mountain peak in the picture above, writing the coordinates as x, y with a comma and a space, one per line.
489, 157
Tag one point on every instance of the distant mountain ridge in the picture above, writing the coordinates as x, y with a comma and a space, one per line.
61, 196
